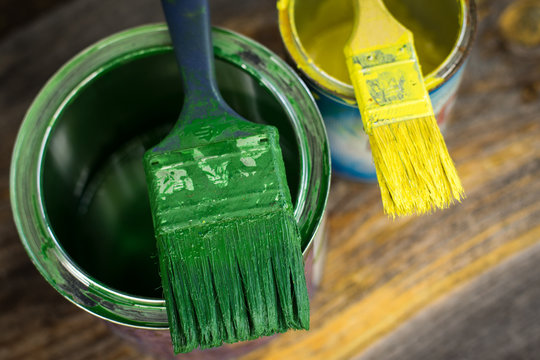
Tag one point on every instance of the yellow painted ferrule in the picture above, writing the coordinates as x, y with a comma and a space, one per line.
388, 84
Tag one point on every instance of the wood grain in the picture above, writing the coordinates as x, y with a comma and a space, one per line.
501, 316
395, 285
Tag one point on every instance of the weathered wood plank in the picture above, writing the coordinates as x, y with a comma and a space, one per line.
492, 317
380, 273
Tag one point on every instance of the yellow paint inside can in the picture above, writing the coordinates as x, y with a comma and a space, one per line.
322, 28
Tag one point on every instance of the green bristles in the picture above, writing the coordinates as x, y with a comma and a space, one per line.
227, 289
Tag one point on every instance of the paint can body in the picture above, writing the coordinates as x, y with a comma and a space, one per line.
77, 183
350, 150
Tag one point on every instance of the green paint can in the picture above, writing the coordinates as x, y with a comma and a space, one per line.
78, 189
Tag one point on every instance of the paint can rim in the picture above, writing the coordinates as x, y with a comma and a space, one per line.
345, 92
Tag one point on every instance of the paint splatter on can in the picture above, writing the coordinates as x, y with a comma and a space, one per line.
78, 189
314, 34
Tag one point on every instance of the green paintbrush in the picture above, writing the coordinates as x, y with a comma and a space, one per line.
228, 244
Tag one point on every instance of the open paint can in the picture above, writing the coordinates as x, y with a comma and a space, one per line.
78, 188
315, 32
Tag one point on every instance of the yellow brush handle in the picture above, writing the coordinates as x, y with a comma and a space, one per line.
375, 25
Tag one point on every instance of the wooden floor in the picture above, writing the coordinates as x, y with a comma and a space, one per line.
459, 284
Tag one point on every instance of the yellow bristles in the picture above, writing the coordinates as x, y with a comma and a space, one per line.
414, 169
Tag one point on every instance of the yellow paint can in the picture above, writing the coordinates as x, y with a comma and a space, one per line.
315, 33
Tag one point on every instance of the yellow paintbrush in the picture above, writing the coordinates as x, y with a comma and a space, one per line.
414, 169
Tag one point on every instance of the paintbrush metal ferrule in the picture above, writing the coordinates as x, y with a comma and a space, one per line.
390, 85
215, 182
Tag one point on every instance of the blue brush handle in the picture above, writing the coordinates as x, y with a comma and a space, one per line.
189, 27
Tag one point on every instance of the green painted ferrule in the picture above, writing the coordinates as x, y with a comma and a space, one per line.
217, 182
